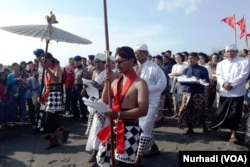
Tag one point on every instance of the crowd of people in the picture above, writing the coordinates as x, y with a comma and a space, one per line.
143, 89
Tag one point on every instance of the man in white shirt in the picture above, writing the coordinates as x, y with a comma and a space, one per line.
156, 81
232, 74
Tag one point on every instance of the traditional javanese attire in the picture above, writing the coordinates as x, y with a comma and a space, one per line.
96, 120
157, 82
192, 106
51, 103
126, 131
229, 112
176, 87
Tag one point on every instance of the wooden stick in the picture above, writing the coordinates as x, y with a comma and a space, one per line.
109, 83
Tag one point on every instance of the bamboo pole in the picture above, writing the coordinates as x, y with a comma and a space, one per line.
235, 34
43, 73
109, 82
246, 38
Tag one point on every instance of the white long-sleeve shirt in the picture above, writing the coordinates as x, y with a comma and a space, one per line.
235, 71
179, 68
156, 81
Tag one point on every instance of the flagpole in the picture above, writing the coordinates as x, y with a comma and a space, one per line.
235, 34
112, 154
246, 40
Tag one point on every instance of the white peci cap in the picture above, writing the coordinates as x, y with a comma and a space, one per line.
141, 47
100, 56
231, 47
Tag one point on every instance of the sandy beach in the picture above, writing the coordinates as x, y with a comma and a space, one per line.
21, 148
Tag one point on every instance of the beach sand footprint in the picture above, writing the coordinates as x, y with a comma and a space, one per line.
53, 161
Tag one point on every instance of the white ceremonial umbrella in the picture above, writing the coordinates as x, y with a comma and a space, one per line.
47, 32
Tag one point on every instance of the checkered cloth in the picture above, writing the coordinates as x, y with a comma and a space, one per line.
90, 122
54, 102
145, 145
131, 137
96, 124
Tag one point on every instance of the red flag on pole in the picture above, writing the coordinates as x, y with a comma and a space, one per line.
242, 26
230, 21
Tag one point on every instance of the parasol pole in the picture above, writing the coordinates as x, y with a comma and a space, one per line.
47, 45
49, 21
45, 53
109, 82
42, 81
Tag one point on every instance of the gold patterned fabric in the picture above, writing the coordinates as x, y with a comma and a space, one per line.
191, 110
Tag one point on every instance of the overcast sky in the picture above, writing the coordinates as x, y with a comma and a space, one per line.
177, 25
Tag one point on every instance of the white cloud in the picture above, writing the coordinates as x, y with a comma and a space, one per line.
171, 6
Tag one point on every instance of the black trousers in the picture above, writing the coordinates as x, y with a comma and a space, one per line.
32, 111
75, 98
68, 92
52, 122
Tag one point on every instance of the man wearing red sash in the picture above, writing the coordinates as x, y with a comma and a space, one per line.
130, 101
51, 101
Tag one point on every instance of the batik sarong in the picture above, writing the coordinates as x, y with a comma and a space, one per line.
160, 114
191, 110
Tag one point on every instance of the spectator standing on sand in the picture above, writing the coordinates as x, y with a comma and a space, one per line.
232, 74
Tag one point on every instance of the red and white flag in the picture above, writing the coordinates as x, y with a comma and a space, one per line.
242, 26
230, 21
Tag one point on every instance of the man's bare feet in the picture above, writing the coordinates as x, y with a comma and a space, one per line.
233, 137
